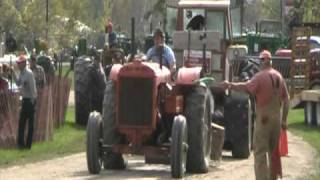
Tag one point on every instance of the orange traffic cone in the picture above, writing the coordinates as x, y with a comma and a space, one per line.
283, 143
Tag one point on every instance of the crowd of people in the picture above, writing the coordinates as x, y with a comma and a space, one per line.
30, 82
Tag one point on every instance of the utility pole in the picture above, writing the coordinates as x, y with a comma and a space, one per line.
47, 19
241, 16
282, 12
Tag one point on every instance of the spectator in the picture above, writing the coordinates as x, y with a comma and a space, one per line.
46, 63
27, 86
112, 37
38, 73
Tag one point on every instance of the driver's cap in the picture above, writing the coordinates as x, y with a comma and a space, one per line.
265, 55
158, 32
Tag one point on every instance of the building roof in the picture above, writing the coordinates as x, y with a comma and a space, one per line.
217, 4
172, 3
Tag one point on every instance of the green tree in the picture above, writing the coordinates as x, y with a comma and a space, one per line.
29, 20
160, 7
311, 11
10, 19
270, 9
33, 13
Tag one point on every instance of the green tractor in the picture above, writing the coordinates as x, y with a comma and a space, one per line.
91, 69
267, 36
89, 81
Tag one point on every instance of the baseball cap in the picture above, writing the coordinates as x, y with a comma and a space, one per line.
265, 54
158, 32
21, 59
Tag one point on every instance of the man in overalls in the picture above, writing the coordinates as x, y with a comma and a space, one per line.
272, 104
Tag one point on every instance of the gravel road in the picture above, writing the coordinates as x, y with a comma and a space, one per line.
300, 162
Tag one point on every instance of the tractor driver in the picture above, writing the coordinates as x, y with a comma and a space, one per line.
153, 54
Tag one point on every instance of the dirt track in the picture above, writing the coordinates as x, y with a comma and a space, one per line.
299, 162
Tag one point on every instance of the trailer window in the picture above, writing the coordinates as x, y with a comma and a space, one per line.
216, 21
171, 20
235, 20
191, 16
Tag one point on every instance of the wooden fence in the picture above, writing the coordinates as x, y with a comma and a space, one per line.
50, 113
9, 114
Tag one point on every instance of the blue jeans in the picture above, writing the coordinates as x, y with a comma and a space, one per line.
26, 115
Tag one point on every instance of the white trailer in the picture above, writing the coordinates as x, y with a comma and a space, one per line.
310, 99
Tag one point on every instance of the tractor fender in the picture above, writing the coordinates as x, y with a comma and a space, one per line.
187, 76
114, 72
284, 53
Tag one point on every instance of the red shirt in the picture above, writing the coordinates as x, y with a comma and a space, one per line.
261, 86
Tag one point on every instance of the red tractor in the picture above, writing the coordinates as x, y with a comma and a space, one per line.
146, 113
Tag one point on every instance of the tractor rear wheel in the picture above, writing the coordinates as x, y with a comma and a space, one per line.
238, 123
198, 112
241, 145
82, 101
179, 147
90, 83
94, 134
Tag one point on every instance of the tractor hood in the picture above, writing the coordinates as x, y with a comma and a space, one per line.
141, 69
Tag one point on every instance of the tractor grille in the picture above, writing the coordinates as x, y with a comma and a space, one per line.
135, 101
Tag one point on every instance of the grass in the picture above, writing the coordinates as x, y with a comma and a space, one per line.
67, 140
310, 134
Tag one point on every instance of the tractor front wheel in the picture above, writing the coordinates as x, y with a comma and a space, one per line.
94, 134
179, 147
